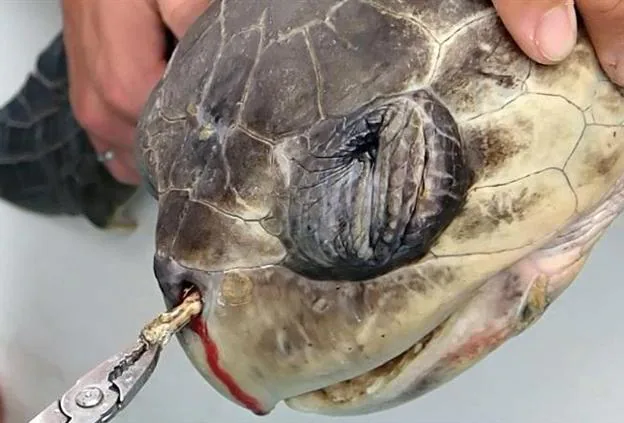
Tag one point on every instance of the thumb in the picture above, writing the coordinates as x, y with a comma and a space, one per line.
545, 30
179, 15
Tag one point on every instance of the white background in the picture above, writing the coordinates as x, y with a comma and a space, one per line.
70, 296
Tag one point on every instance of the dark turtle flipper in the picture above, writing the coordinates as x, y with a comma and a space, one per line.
47, 164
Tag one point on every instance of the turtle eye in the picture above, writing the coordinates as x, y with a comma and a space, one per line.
365, 145
371, 191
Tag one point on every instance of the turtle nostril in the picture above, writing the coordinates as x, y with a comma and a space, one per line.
175, 280
172, 279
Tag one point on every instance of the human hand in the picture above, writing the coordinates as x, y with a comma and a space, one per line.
116, 54
546, 29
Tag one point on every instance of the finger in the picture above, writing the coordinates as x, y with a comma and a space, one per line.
98, 117
545, 30
92, 112
107, 126
604, 20
131, 57
122, 173
127, 171
179, 15
108, 131
122, 166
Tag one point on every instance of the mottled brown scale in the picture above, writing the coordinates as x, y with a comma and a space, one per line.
169, 219
338, 177
278, 18
177, 97
228, 86
253, 189
275, 105
348, 51
480, 69
492, 148
441, 17
209, 238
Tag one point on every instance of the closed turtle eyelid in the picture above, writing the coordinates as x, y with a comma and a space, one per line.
357, 222
373, 121
362, 144
362, 135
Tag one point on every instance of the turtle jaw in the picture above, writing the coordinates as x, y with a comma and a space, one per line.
262, 346
452, 347
504, 307
244, 348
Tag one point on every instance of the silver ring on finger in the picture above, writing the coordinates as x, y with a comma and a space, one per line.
106, 156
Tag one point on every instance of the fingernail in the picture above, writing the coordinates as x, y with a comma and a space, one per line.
555, 36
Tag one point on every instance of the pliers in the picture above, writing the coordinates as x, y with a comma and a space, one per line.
103, 392
107, 389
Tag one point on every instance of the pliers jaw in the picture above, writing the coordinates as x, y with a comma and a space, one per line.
100, 394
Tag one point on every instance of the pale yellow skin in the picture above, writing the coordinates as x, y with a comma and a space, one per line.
548, 166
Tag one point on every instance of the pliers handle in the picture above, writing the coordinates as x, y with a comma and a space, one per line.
100, 394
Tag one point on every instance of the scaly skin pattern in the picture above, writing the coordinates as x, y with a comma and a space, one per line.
47, 164
370, 195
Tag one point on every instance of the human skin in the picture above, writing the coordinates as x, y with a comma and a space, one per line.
116, 54
546, 29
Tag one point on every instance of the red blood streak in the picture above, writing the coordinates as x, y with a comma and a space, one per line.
478, 345
212, 357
